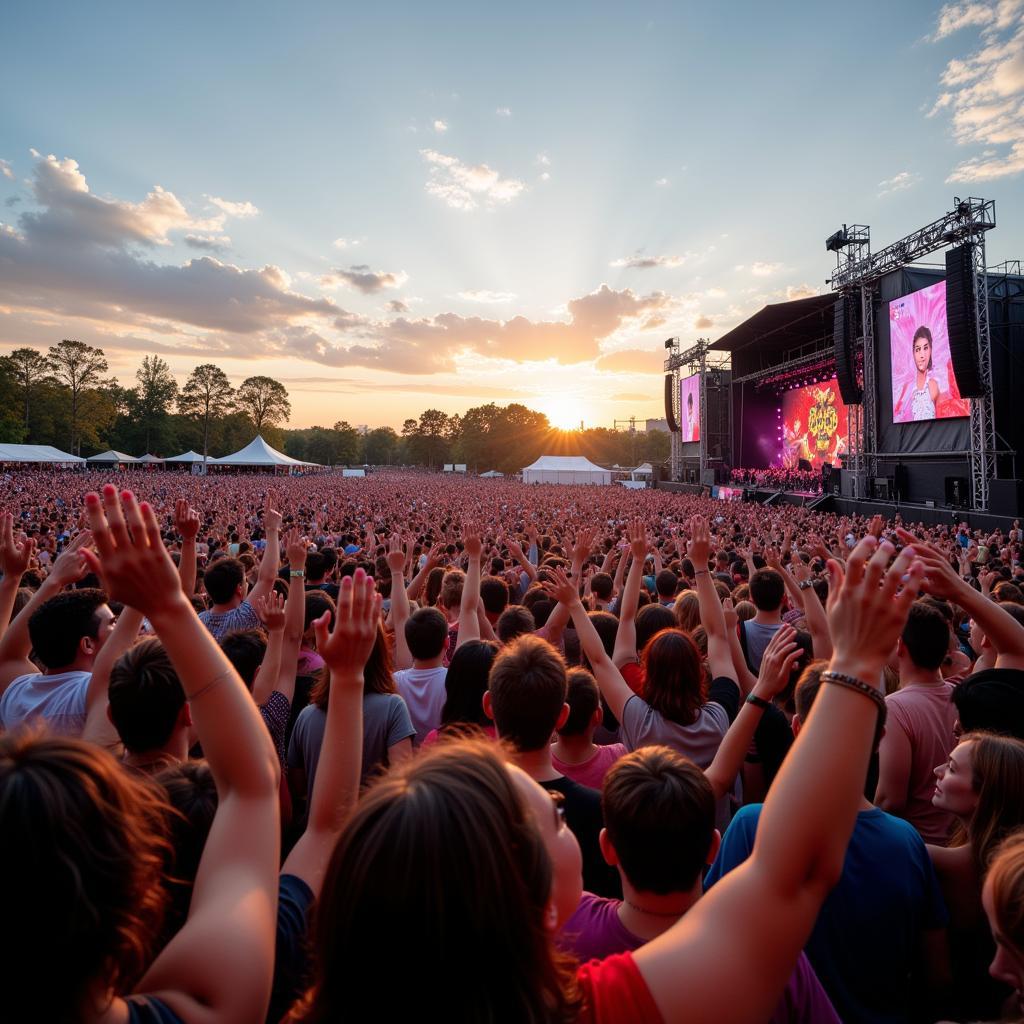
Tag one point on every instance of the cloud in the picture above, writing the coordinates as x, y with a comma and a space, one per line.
440, 126
363, 279
503, 112
799, 291
543, 160
662, 182
12, 200
73, 215
632, 360
347, 243
208, 243
898, 183
397, 306
703, 322
6, 170
241, 210
759, 268
983, 92
487, 297
463, 187
640, 262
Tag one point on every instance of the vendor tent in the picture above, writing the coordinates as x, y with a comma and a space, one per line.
151, 460
565, 469
189, 456
111, 458
491, 474
36, 453
258, 453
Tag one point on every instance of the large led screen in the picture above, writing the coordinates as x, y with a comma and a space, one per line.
689, 407
814, 425
923, 384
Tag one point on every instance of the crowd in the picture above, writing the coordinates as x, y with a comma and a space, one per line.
322, 749
807, 481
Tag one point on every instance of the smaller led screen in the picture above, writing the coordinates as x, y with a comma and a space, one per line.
689, 407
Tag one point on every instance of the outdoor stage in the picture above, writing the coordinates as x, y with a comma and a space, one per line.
898, 387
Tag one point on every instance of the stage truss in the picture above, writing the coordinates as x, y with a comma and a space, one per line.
857, 274
715, 431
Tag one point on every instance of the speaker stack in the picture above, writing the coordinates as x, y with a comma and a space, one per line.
669, 411
844, 334
963, 331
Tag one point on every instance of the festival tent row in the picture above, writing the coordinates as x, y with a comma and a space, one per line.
565, 469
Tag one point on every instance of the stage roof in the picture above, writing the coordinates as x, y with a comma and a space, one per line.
781, 324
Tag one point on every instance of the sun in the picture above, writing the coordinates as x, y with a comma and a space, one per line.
563, 412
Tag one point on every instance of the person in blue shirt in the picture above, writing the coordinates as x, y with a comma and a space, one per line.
879, 945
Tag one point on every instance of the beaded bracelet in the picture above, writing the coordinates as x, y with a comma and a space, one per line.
852, 683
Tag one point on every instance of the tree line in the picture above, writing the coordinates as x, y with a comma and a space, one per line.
63, 397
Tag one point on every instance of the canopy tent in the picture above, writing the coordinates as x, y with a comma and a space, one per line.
151, 460
258, 453
644, 470
189, 456
36, 453
111, 458
491, 474
565, 469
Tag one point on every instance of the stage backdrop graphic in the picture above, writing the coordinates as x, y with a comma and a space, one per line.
923, 384
814, 425
689, 408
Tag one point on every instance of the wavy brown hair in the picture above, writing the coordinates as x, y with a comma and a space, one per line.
447, 846
675, 683
82, 850
1006, 879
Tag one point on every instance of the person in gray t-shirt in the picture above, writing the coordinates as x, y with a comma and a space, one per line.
767, 591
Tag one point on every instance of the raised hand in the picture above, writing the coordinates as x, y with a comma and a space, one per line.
781, 654
271, 516
868, 605
637, 540
130, 556
70, 567
729, 611
562, 590
186, 520
471, 542
699, 548
396, 555
270, 609
347, 647
15, 552
296, 548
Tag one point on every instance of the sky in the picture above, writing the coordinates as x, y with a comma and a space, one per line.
397, 207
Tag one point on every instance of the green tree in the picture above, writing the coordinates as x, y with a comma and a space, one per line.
432, 435
79, 368
206, 398
380, 446
347, 443
154, 396
264, 400
29, 370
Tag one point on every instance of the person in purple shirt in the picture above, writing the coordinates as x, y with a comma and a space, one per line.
659, 811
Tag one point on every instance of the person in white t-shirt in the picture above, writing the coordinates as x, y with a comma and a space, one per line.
422, 686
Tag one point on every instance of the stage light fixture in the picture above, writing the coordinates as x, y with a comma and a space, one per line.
837, 241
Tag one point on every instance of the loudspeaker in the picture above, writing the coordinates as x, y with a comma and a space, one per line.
657, 474
844, 331
883, 488
960, 322
1005, 498
958, 491
669, 412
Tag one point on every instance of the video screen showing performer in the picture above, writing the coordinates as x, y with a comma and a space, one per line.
689, 407
924, 386
814, 425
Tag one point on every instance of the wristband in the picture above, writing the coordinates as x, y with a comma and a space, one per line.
758, 702
858, 685
297, 573
806, 584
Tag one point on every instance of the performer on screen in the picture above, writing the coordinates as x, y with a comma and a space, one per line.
689, 424
926, 391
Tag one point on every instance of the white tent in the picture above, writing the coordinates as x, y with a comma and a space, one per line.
644, 470
565, 469
151, 460
258, 453
189, 456
111, 458
35, 453
491, 474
